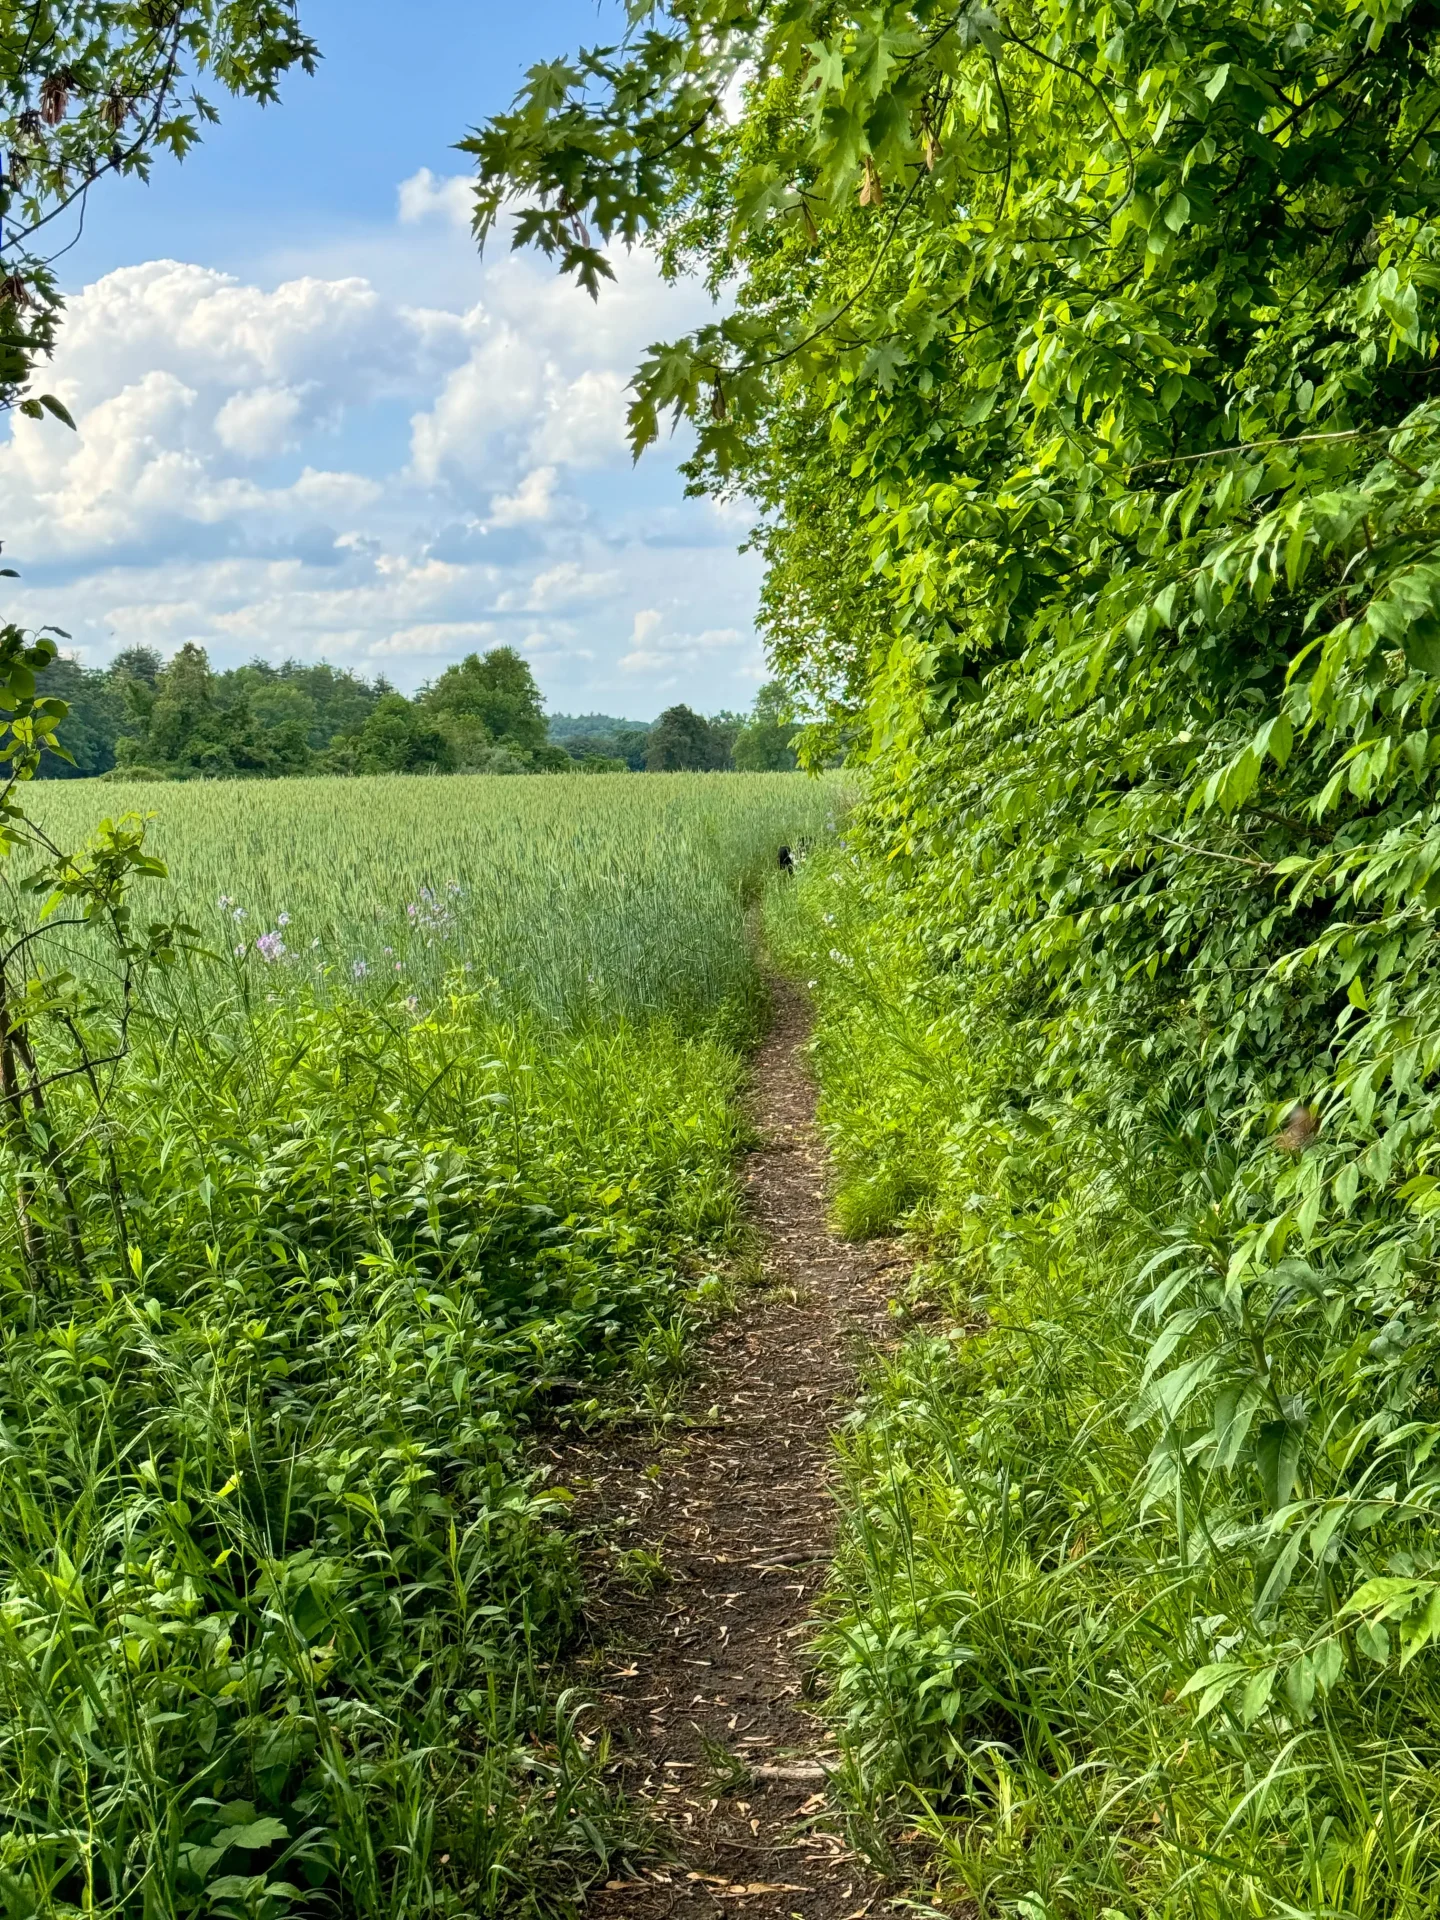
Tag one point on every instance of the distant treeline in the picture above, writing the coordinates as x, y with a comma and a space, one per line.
147, 718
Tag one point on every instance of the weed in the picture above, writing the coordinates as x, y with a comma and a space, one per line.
643, 1568
725, 1772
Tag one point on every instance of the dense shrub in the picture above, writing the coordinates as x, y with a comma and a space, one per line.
1082, 363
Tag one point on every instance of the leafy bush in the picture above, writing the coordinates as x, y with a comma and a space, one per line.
280, 1584
1137, 1591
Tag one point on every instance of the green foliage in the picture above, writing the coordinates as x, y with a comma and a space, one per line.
685, 742
321, 701
599, 736
182, 720
280, 1578
294, 1273
490, 702
395, 738
1082, 364
1158, 1484
762, 744
95, 717
90, 88
181, 726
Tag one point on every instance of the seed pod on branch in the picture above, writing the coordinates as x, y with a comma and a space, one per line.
55, 91
872, 193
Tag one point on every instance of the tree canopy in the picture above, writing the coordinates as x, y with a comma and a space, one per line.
90, 88
763, 744
490, 706
682, 741
183, 719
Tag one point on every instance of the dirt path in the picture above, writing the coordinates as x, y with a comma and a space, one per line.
703, 1681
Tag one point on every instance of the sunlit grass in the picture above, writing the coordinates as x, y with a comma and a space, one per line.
569, 896
442, 1155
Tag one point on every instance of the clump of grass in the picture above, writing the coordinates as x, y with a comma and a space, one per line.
643, 1568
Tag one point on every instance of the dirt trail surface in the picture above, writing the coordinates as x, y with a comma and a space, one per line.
703, 1681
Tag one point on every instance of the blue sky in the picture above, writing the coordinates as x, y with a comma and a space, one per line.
314, 422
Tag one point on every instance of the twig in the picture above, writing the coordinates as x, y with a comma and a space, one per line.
1252, 446
1210, 853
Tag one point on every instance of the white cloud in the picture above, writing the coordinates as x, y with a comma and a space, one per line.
654, 652
259, 422
442, 639
533, 499
340, 336
563, 585
321, 468
426, 196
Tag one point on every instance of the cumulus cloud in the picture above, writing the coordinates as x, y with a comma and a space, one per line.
319, 468
566, 584
442, 639
533, 499
428, 196
259, 422
654, 652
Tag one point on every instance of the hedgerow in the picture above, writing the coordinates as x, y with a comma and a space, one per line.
1082, 364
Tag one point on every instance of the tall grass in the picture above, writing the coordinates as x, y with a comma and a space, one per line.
610, 897
283, 1588
1102, 1662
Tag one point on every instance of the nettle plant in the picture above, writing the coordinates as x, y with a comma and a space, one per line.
60, 1033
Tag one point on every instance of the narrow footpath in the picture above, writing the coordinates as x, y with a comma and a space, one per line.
704, 1680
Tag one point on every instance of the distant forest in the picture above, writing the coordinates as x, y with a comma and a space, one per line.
150, 719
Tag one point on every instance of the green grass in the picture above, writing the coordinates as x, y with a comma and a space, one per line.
1044, 1543
282, 1592
558, 899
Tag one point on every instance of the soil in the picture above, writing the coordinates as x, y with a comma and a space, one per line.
704, 1681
